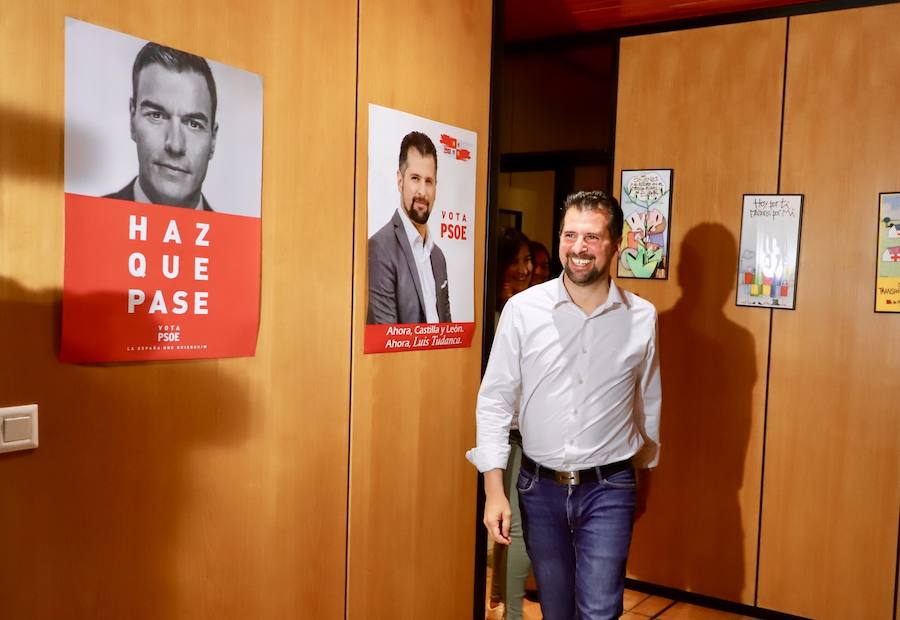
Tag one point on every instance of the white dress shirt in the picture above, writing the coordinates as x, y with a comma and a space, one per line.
421, 249
587, 387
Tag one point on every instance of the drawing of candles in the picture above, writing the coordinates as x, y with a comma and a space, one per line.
747, 270
772, 266
779, 272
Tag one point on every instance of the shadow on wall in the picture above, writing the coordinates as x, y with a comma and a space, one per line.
691, 537
90, 520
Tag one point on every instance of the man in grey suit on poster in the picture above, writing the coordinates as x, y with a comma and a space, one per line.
407, 271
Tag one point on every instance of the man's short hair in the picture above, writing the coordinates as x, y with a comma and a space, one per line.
420, 142
596, 200
174, 60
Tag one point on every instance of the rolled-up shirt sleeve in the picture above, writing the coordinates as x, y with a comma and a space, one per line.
648, 404
498, 396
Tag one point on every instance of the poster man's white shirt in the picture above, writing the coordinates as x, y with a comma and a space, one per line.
421, 249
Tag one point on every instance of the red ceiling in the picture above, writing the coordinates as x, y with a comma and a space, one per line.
536, 19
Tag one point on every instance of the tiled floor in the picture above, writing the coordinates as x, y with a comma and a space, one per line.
640, 606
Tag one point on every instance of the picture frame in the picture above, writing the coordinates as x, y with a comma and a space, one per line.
769, 253
510, 219
887, 254
646, 200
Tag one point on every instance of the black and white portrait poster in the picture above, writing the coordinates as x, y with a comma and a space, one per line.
421, 237
163, 179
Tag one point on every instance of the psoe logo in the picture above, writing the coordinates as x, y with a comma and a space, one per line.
168, 333
455, 148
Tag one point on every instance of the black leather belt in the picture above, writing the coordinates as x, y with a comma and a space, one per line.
581, 476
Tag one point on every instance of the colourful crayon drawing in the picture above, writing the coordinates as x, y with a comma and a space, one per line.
770, 243
646, 202
887, 284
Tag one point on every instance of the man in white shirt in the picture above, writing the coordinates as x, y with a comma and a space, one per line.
577, 356
407, 271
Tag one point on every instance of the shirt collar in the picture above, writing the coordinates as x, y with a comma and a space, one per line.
412, 233
562, 295
140, 196
614, 298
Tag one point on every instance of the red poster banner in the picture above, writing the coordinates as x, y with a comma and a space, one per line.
418, 336
151, 282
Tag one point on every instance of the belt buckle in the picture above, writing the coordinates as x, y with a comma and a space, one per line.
568, 477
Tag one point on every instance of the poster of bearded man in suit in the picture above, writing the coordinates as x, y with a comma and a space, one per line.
420, 249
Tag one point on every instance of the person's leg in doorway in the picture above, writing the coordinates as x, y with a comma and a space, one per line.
517, 562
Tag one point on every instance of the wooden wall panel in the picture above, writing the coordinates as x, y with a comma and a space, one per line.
208, 489
412, 493
832, 479
706, 103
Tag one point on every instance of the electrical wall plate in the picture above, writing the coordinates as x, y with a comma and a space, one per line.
18, 428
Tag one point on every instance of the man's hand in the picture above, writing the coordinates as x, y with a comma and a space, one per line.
497, 514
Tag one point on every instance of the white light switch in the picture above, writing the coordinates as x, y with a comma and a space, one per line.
18, 428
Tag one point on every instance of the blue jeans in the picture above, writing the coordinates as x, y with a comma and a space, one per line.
578, 537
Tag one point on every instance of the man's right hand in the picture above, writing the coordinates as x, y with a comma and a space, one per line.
497, 514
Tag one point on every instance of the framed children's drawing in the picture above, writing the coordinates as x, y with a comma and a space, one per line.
887, 272
770, 250
647, 206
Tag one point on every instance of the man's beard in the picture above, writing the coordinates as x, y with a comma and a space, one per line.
419, 217
582, 278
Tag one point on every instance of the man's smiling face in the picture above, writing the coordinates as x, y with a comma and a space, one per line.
586, 249
417, 183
